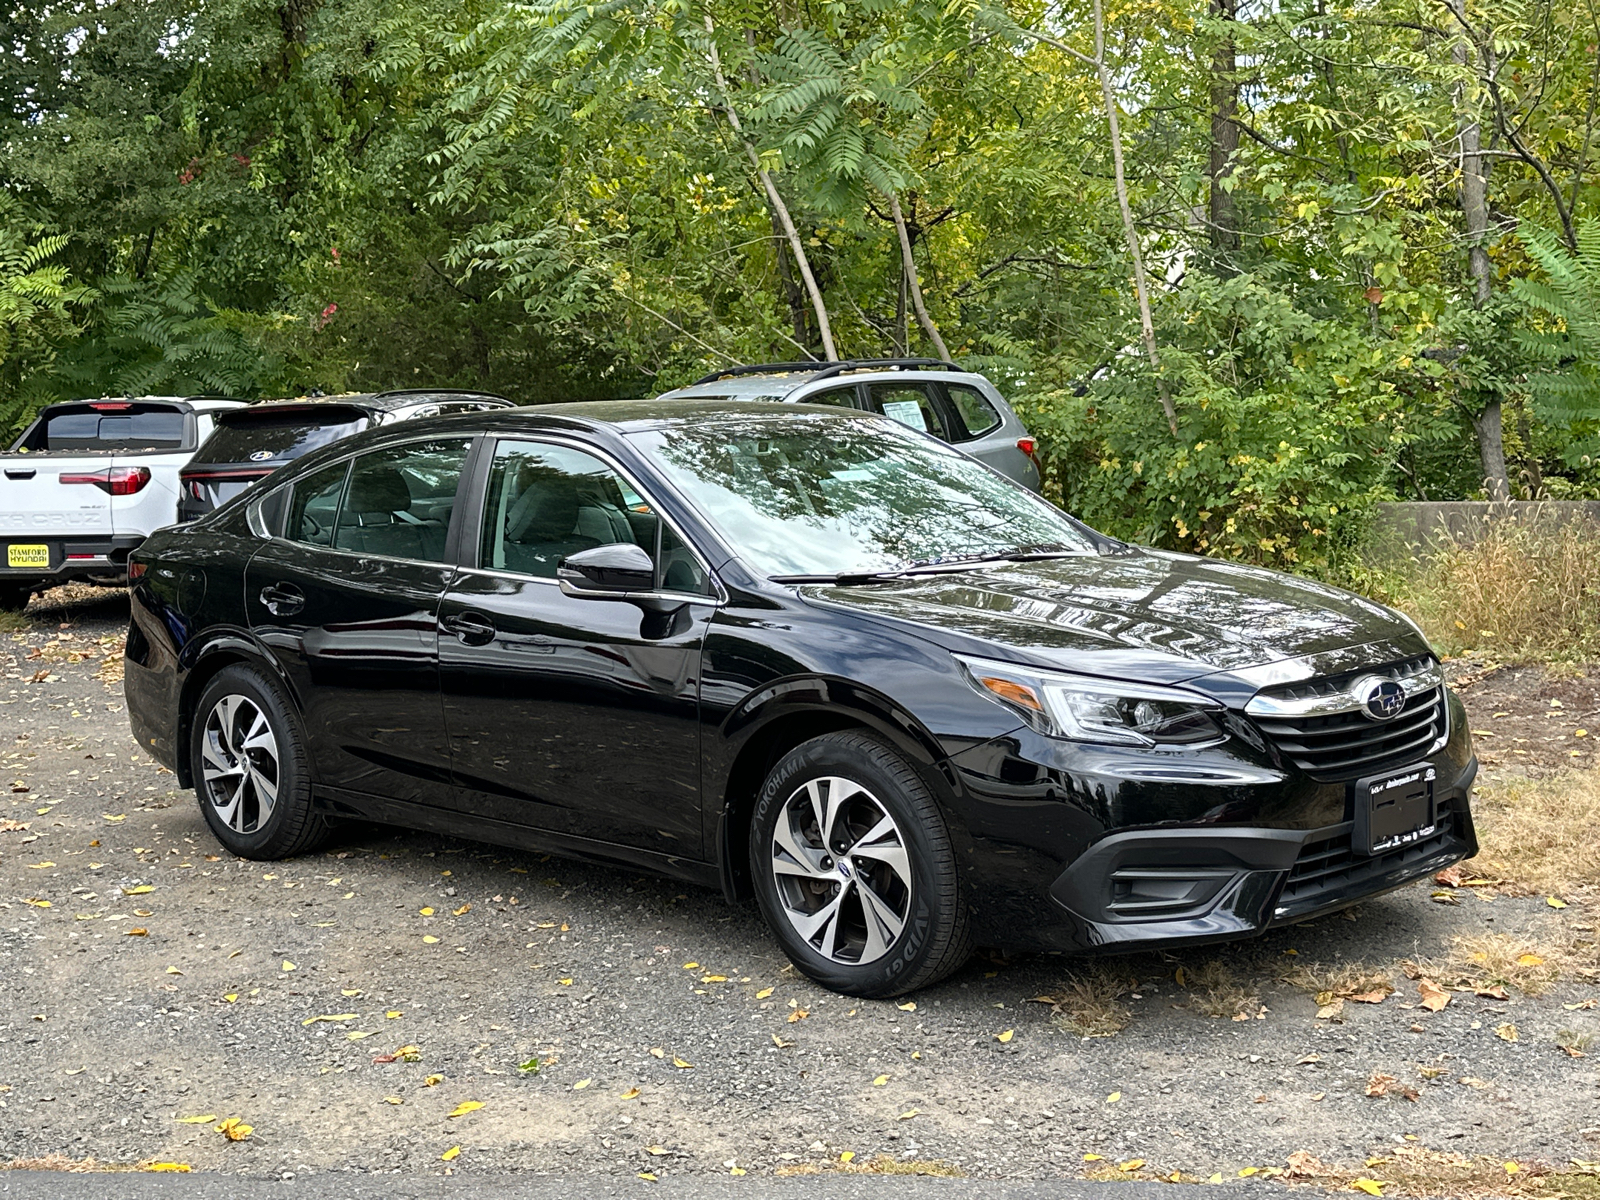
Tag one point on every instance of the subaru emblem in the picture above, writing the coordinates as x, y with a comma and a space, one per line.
1383, 698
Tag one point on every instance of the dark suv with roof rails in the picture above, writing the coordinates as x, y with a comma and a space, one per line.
929, 394
257, 440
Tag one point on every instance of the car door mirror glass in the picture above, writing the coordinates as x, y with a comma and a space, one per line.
612, 570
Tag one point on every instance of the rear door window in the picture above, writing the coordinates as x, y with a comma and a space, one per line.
262, 436
399, 500
844, 397
975, 411
909, 403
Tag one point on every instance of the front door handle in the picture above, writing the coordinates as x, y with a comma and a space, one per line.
473, 629
283, 599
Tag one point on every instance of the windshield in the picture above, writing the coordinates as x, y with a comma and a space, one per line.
245, 436
799, 494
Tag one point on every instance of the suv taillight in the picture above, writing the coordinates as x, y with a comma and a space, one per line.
1027, 445
195, 488
114, 481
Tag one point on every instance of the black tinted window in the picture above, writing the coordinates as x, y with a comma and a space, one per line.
278, 435
974, 409
150, 428
399, 500
315, 506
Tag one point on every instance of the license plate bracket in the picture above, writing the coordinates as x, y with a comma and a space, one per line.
1394, 810
23, 555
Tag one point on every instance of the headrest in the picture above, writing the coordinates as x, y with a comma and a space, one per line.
378, 489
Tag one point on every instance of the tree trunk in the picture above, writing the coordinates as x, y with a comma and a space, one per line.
912, 286
1147, 327
1224, 216
1475, 213
774, 199
1492, 450
791, 289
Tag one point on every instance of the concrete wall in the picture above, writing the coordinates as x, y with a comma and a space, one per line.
1408, 525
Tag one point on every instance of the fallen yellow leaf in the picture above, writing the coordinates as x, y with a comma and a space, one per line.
393, 1100
1114, 1097
1371, 1187
691, 966
765, 992
450, 1154
289, 966
329, 1017
1554, 903
38, 903
678, 1062
880, 1081
1133, 1164
1506, 1032
1530, 960
205, 1120
137, 931
908, 1006
426, 912
713, 979
908, 1114
141, 890
428, 939
657, 1052
463, 910
174, 971
630, 1094
173, 1167
799, 1014
581, 1084
465, 1107
1006, 1036
231, 997
433, 1080
846, 1156
1094, 1158
234, 1129
655, 1151
780, 1043
647, 1176
40, 866
394, 1014
356, 1035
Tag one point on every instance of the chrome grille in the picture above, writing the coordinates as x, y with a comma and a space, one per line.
1339, 745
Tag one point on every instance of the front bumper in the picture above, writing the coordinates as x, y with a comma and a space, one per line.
1150, 889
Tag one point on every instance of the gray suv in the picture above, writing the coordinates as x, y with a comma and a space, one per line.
937, 397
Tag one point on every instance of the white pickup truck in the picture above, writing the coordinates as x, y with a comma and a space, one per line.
88, 481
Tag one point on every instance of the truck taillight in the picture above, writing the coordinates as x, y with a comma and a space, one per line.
114, 481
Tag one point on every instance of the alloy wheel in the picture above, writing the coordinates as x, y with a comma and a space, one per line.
842, 871
239, 760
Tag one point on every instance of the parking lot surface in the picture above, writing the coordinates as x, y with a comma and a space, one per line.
549, 1017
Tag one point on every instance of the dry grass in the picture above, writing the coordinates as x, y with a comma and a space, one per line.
883, 1164
1089, 1004
1519, 593
1341, 981
1216, 990
60, 1162
14, 622
1540, 833
1492, 960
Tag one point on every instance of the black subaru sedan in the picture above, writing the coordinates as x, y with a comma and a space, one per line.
810, 656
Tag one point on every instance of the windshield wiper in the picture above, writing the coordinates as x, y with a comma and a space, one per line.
933, 566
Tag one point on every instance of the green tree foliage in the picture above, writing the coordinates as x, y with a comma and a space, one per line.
571, 199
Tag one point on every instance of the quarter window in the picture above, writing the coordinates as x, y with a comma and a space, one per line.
838, 397
974, 409
398, 502
315, 506
545, 502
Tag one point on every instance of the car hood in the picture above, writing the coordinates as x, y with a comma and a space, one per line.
1138, 614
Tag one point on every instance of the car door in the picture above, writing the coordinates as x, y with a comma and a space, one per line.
346, 599
574, 715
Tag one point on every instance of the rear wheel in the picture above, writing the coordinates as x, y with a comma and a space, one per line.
251, 772
854, 869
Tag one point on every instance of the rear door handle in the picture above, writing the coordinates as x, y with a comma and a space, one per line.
473, 629
21, 472
283, 599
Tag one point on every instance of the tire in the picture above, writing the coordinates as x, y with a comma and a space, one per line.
251, 772
14, 597
899, 919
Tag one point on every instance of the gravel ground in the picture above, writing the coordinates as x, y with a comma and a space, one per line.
148, 977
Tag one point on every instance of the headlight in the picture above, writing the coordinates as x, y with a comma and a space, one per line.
1086, 709
1412, 621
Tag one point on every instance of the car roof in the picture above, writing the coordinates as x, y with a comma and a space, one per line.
381, 402
774, 381
634, 416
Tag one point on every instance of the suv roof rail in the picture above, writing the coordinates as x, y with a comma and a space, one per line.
826, 370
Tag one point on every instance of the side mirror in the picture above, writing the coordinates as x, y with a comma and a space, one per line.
613, 572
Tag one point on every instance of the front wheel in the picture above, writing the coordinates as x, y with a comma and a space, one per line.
251, 772
854, 869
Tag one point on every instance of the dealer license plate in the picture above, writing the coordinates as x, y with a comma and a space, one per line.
28, 556
1395, 810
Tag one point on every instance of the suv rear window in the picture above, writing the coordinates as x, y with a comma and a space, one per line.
242, 435
129, 427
